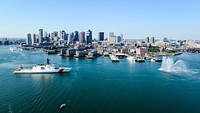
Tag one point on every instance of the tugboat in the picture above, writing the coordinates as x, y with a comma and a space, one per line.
42, 69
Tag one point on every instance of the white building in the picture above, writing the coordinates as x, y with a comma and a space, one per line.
112, 39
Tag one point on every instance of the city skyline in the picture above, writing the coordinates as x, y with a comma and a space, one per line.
132, 18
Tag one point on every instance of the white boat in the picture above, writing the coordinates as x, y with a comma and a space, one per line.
156, 60
42, 68
12, 48
140, 59
62, 106
131, 58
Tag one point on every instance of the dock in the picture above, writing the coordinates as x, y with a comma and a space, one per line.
113, 58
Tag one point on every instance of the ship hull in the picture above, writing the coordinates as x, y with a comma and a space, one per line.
42, 69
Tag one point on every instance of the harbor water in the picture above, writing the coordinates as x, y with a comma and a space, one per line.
98, 85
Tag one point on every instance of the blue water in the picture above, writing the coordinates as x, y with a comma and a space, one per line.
97, 86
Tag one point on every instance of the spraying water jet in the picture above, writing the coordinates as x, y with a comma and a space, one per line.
168, 65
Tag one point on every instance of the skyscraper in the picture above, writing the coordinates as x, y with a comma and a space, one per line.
70, 38
67, 36
28, 39
100, 36
76, 38
82, 37
40, 35
34, 40
119, 39
147, 40
152, 40
89, 37
111, 34
63, 35
55, 34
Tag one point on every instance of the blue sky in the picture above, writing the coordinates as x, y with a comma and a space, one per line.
136, 19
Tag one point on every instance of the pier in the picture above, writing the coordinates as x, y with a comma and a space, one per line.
113, 58
193, 50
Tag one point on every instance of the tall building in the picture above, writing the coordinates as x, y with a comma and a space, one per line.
63, 35
45, 34
111, 34
75, 38
46, 37
147, 40
152, 40
82, 37
28, 39
100, 36
119, 39
89, 37
40, 35
54, 34
67, 36
34, 39
70, 38
122, 36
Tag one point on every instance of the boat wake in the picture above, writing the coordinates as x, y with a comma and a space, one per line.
9, 109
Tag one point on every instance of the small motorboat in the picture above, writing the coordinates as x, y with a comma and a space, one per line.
156, 60
62, 106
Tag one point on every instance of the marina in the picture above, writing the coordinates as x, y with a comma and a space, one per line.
92, 83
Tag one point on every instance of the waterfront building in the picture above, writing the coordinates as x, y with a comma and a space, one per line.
152, 40
100, 36
70, 52
40, 35
34, 39
141, 51
28, 39
82, 37
89, 37
147, 40
112, 39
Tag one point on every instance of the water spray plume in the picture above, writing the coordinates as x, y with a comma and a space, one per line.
168, 65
